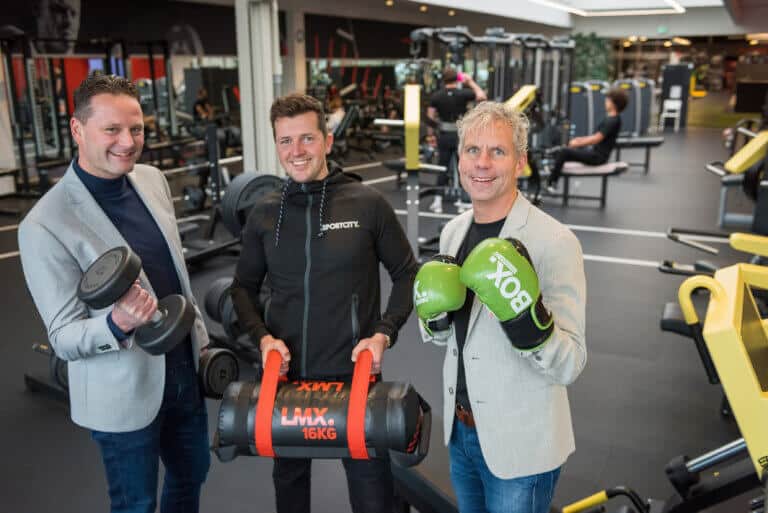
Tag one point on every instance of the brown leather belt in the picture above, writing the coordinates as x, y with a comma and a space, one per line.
465, 416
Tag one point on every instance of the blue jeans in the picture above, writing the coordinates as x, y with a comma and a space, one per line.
479, 491
178, 436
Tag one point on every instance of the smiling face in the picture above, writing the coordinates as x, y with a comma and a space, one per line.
489, 168
301, 147
111, 137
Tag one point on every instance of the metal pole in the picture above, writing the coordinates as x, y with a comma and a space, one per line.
67, 113
15, 110
716, 456
152, 77
55, 116
172, 122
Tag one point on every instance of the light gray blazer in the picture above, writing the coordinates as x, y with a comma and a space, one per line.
112, 387
518, 398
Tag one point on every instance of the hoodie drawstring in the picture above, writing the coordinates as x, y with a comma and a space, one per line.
282, 208
281, 215
322, 205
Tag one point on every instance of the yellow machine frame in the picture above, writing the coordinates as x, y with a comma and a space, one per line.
737, 341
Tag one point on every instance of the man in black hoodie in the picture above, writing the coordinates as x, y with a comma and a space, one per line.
320, 242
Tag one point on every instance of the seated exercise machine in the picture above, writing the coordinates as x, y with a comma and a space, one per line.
737, 343
745, 167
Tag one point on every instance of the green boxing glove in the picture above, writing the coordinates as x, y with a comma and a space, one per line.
437, 291
502, 277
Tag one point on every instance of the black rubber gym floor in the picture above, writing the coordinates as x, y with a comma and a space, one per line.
642, 399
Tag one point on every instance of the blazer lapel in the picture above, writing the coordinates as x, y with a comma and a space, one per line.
91, 216
94, 219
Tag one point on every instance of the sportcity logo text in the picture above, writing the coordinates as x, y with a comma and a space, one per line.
341, 225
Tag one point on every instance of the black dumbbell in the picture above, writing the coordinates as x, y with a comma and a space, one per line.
218, 368
111, 276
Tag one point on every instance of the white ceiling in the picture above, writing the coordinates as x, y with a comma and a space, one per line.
613, 5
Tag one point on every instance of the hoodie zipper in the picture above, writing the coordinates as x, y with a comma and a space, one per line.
308, 255
355, 322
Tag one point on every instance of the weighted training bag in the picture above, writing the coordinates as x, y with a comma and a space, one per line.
323, 419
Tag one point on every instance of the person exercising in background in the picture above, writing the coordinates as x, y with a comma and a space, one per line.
203, 110
446, 106
336, 113
602, 142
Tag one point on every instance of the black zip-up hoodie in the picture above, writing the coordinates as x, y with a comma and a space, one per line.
320, 244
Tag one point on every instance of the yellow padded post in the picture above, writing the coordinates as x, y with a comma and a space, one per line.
749, 155
587, 503
749, 243
412, 107
523, 98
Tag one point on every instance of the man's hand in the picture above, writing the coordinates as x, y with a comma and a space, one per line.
268, 343
575, 142
376, 344
134, 309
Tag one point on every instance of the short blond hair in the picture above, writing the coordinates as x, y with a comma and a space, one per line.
486, 114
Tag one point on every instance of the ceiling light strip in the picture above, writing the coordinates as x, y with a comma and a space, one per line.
557, 5
631, 12
675, 8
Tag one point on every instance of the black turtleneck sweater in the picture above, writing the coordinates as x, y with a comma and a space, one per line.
130, 215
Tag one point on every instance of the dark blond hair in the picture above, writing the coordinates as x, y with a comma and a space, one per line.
487, 113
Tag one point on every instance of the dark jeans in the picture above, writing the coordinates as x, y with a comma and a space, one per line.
370, 483
447, 148
178, 436
583, 155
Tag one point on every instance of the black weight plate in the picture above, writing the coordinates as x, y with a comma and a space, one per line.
229, 319
109, 277
158, 338
218, 368
194, 197
217, 293
243, 192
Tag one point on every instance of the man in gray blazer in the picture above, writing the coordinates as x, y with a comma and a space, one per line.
507, 418
140, 408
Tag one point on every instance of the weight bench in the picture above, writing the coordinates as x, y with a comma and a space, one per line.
646, 142
579, 170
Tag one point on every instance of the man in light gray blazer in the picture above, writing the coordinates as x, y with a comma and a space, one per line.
140, 408
507, 417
